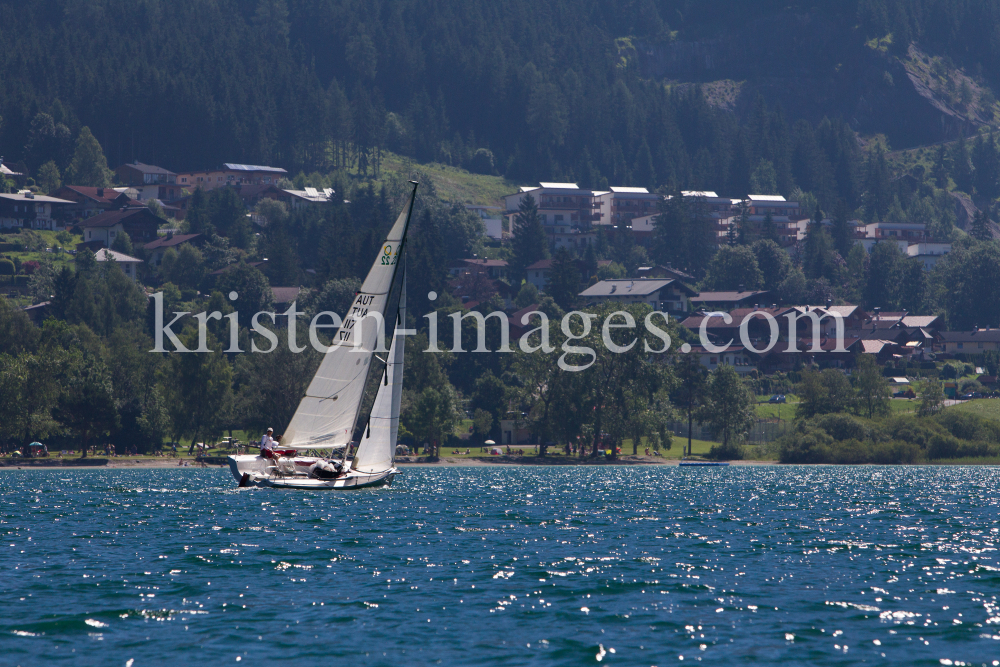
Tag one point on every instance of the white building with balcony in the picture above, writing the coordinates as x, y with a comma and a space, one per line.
30, 211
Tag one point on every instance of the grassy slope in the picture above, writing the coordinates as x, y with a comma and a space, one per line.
452, 184
989, 408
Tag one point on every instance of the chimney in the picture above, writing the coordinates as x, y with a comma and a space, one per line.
740, 288
100, 192
170, 234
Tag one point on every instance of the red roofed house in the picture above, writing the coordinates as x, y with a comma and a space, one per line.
101, 230
162, 244
89, 202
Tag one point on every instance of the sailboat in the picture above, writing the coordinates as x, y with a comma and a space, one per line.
332, 408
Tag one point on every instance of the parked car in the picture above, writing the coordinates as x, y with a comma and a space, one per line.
966, 397
777, 398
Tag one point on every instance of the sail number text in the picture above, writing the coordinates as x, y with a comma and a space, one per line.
388, 259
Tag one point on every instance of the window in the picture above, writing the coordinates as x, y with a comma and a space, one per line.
961, 345
980, 346
713, 360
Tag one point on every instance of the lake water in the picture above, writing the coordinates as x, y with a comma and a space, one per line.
504, 566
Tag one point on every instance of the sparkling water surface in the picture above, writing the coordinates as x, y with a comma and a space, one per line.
504, 566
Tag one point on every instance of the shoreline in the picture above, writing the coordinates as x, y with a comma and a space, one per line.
444, 462
123, 463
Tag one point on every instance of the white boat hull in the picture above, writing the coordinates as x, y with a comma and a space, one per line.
250, 470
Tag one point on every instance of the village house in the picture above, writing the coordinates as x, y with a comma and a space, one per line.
668, 296
157, 248
538, 273
492, 222
908, 232
8, 172
149, 181
129, 265
758, 328
231, 174
86, 202
27, 210
102, 230
664, 271
299, 199
493, 268
725, 301
742, 360
967, 342
518, 325
928, 253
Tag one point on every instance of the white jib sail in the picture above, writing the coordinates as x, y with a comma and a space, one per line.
377, 450
326, 416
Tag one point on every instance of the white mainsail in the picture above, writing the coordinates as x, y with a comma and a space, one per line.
327, 415
377, 450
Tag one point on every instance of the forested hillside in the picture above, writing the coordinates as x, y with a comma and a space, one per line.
587, 90
831, 104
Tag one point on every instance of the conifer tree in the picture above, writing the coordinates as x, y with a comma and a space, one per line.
841, 229
89, 166
768, 231
529, 244
564, 279
742, 237
198, 216
49, 179
877, 187
980, 229
961, 169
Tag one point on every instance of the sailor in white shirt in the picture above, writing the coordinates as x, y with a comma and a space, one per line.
266, 442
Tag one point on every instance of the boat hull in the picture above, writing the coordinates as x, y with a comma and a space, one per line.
292, 474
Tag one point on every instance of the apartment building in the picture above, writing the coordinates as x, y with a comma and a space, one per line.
231, 174
620, 205
560, 205
785, 215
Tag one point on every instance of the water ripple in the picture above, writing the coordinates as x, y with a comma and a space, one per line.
511, 566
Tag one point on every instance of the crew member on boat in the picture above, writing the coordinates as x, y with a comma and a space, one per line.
266, 441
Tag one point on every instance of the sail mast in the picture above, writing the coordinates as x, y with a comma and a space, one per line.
399, 259
328, 413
